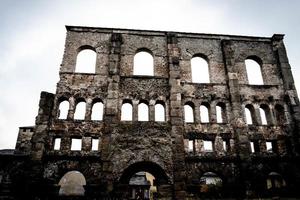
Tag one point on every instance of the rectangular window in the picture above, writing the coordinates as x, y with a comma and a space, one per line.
191, 145
225, 148
207, 146
252, 147
76, 144
95, 144
57, 143
269, 147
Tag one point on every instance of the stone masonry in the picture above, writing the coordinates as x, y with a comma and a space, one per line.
240, 164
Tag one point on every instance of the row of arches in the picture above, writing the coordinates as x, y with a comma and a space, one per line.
205, 113
81, 109
73, 182
210, 181
145, 112
143, 64
263, 114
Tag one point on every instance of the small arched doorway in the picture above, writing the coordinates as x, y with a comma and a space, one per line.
144, 180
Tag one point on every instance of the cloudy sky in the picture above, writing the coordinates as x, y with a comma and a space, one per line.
33, 32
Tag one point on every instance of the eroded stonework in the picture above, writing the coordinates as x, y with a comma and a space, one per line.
189, 160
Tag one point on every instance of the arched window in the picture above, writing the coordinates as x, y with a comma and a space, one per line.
249, 114
199, 70
126, 111
279, 114
221, 113
80, 111
86, 61
63, 110
204, 113
210, 182
264, 111
263, 116
188, 113
97, 111
253, 72
159, 112
143, 64
275, 181
71, 184
143, 112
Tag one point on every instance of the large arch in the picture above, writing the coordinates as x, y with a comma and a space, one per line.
153, 168
86, 59
72, 184
143, 63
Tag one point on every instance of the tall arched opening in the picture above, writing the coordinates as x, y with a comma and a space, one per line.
143, 180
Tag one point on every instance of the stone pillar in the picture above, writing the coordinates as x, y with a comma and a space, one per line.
290, 90
34, 174
151, 110
176, 117
218, 145
65, 144
41, 125
86, 144
135, 110
88, 110
71, 108
237, 117
111, 117
271, 116
256, 120
212, 113
197, 118
241, 139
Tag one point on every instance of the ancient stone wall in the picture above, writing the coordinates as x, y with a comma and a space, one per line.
217, 157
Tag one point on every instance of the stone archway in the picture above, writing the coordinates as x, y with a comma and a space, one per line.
161, 180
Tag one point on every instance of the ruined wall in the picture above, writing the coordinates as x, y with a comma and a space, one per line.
173, 150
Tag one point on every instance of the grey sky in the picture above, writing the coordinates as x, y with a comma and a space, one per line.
32, 38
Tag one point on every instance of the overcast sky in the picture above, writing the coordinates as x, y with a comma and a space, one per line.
32, 38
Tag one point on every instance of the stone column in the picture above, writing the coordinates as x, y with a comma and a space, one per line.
176, 117
151, 110
86, 144
256, 120
65, 144
241, 139
41, 125
237, 117
197, 118
88, 110
71, 108
111, 117
40, 137
271, 116
212, 113
135, 110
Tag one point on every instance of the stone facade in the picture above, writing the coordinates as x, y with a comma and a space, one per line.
173, 151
